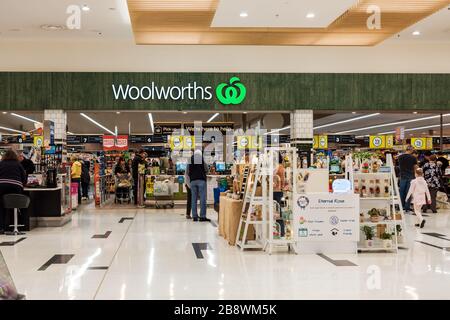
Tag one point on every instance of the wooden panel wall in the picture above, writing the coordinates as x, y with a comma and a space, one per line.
265, 91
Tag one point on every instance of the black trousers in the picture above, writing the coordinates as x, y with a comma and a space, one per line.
6, 189
189, 202
432, 206
85, 189
78, 181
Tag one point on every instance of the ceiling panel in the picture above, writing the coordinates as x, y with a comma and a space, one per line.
191, 22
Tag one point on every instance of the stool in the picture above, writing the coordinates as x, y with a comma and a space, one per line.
16, 202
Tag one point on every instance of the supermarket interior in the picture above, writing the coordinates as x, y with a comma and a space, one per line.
224, 149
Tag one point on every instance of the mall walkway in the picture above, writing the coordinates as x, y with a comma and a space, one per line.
157, 254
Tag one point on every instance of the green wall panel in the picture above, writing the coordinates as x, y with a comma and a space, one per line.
265, 91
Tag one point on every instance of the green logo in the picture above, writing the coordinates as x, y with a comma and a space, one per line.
232, 93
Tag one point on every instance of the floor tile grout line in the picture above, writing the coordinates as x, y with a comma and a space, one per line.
114, 256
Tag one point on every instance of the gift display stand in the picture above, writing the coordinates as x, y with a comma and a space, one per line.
382, 217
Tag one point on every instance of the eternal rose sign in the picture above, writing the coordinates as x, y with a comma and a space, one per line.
115, 143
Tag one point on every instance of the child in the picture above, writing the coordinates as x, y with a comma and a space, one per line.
420, 195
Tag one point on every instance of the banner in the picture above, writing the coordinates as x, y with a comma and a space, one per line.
422, 143
38, 141
108, 143
377, 142
243, 142
189, 142
389, 141
320, 142
400, 133
121, 143
176, 142
256, 142
326, 217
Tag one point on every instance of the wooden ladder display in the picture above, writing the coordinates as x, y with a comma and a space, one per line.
250, 201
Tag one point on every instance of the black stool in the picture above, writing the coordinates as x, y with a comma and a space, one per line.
16, 202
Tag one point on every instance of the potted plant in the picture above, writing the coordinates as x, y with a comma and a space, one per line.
361, 217
387, 240
400, 238
374, 215
368, 232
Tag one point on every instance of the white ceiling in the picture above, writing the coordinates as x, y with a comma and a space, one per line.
279, 13
22, 19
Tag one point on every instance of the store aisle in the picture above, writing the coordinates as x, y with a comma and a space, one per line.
158, 254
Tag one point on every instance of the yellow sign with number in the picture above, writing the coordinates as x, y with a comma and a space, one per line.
189, 143
422, 143
320, 142
377, 142
176, 142
243, 142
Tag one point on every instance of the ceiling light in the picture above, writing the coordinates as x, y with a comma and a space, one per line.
277, 130
85, 8
184, 112
12, 130
243, 14
25, 118
416, 33
116, 131
311, 15
393, 123
419, 128
245, 112
353, 112
150, 118
117, 112
96, 123
68, 132
213, 117
415, 112
348, 120
4, 112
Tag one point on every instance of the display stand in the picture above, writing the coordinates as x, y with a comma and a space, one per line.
250, 204
381, 201
275, 212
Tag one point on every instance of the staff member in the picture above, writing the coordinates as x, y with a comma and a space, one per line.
75, 173
12, 180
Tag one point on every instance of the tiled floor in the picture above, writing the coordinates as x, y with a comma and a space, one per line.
151, 257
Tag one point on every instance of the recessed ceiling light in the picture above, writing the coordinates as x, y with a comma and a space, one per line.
311, 15
184, 112
4, 112
245, 112
415, 112
243, 14
416, 33
117, 112
353, 112
85, 8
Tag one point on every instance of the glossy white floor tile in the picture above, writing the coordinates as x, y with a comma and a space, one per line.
151, 257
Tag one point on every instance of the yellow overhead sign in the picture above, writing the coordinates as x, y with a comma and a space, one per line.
320, 142
422, 143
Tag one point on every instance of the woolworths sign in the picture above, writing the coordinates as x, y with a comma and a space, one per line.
232, 92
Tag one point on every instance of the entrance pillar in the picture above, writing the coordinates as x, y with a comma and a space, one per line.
302, 134
59, 118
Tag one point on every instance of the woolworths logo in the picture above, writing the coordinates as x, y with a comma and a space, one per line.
233, 92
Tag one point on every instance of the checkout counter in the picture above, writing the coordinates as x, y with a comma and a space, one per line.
49, 206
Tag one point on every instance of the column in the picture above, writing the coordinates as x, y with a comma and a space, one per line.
302, 133
59, 118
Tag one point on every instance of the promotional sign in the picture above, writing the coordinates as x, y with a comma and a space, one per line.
422, 143
121, 143
49, 133
176, 142
189, 143
108, 143
389, 141
256, 142
38, 141
326, 217
320, 142
243, 142
400, 133
377, 142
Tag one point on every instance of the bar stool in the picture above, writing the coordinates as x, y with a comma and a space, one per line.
16, 202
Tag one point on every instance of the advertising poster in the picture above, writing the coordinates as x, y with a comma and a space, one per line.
38, 141
389, 141
326, 217
108, 143
377, 142
422, 143
121, 143
320, 142
189, 143
176, 142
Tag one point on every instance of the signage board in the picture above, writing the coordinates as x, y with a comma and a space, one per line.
377, 142
176, 142
243, 142
38, 141
389, 141
326, 217
422, 143
189, 142
108, 143
320, 142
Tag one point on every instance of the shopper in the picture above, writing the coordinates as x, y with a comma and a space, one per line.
12, 180
433, 177
85, 179
121, 167
196, 171
187, 181
278, 186
27, 164
138, 159
75, 173
443, 160
420, 195
407, 164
